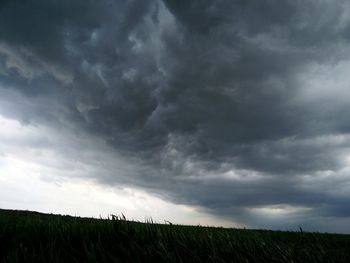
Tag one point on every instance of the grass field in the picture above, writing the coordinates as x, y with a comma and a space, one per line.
34, 237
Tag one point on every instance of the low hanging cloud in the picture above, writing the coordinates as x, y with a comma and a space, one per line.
238, 107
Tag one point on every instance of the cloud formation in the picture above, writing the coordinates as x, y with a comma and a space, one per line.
238, 107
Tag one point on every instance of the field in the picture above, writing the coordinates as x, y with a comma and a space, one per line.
34, 237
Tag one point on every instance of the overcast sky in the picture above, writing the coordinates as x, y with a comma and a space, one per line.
220, 112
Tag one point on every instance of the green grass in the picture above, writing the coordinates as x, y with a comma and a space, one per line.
34, 237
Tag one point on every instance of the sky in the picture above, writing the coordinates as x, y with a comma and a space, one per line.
230, 113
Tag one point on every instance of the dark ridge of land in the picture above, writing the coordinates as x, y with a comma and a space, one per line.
35, 237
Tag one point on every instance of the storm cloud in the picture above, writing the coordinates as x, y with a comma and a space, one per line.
240, 108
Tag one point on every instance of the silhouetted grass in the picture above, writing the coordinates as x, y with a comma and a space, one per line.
35, 237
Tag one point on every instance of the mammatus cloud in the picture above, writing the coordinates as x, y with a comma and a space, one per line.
238, 107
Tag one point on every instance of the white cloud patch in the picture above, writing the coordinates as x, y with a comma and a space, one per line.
51, 172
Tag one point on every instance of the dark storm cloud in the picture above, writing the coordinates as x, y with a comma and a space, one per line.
191, 91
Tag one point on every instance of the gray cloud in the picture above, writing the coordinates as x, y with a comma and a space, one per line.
220, 104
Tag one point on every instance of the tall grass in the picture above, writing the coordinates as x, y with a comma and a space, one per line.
34, 237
